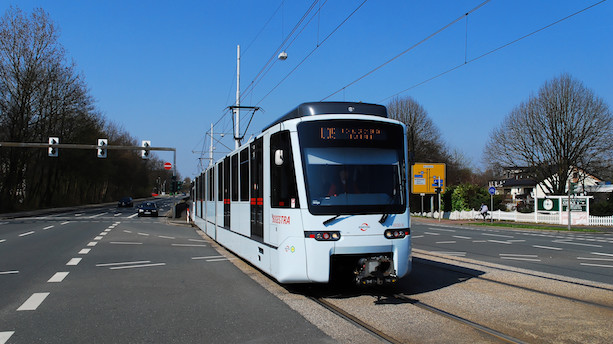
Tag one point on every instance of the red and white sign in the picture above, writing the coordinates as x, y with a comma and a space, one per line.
167, 165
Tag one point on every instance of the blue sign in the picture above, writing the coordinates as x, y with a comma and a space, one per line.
492, 190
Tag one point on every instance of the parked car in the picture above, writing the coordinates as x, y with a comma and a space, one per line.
148, 209
125, 202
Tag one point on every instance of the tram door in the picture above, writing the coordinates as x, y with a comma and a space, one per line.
257, 190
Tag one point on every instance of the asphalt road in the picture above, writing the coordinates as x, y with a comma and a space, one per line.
580, 255
106, 276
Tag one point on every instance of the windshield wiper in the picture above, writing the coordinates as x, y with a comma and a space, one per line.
383, 218
331, 219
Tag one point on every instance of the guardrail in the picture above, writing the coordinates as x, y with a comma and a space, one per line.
499, 215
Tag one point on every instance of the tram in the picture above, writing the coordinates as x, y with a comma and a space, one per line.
322, 190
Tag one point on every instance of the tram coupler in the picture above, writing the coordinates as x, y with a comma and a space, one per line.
375, 270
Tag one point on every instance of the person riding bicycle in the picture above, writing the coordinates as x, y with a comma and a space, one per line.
483, 210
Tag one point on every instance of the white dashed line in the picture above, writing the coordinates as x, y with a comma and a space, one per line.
48, 227
118, 214
9, 272
33, 302
143, 234
523, 257
446, 242
417, 236
98, 238
85, 251
450, 253
136, 266
133, 216
104, 233
498, 235
91, 217
197, 240
209, 257
123, 263
500, 242
5, 336
432, 233
462, 237
189, 245
26, 233
602, 254
165, 237
217, 260
91, 244
65, 223
597, 265
547, 247
2, 240
79, 214
58, 277
74, 261
600, 259
125, 243
440, 229
575, 243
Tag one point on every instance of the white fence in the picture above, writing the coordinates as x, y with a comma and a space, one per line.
577, 218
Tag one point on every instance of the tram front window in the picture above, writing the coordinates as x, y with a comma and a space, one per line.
347, 176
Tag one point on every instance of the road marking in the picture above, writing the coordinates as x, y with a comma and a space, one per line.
165, 237
58, 277
33, 302
462, 237
189, 245
575, 243
9, 272
547, 247
602, 254
197, 240
2, 240
74, 261
136, 266
127, 231
65, 223
597, 265
479, 240
91, 217
500, 242
104, 233
26, 233
79, 214
117, 214
516, 240
5, 336
440, 229
450, 253
98, 238
603, 259
144, 234
91, 244
519, 255
48, 227
446, 242
217, 260
498, 235
85, 251
520, 258
432, 233
124, 263
125, 243
417, 236
209, 257
132, 216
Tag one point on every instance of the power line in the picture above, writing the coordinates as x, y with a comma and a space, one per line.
410, 48
495, 50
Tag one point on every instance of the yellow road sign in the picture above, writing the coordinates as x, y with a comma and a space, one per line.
427, 177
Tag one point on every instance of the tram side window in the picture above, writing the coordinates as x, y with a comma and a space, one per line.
210, 181
284, 193
244, 171
235, 178
220, 182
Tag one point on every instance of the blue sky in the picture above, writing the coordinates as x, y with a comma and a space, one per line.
165, 70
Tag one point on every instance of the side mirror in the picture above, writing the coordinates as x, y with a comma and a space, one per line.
279, 157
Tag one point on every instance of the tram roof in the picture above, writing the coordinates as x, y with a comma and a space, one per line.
329, 108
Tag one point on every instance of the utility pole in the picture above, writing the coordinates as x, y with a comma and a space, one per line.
237, 111
211, 148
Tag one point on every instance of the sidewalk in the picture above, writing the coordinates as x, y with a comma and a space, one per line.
536, 226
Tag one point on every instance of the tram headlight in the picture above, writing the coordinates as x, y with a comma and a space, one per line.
323, 236
397, 233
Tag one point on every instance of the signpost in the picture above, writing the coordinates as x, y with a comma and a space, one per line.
492, 191
428, 178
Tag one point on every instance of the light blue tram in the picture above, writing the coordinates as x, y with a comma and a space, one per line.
322, 190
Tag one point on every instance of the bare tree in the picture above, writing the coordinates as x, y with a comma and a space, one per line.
564, 126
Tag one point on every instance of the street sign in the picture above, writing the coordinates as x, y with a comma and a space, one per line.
145, 152
167, 165
492, 190
426, 178
102, 143
53, 150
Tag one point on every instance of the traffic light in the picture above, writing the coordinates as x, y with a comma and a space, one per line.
53, 150
102, 143
173, 184
145, 153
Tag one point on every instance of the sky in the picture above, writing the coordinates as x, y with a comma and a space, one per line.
166, 70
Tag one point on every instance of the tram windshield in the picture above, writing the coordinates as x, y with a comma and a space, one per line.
353, 167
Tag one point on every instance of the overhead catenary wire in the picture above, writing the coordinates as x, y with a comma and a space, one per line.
410, 48
494, 50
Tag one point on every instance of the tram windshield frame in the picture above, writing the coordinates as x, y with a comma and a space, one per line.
353, 166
